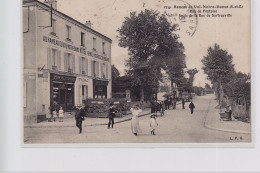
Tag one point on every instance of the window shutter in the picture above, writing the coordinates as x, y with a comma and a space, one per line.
92, 67
59, 61
65, 62
80, 62
106, 71
49, 58
73, 63
86, 66
97, 69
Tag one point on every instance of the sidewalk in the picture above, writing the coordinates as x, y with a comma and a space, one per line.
212, 121
69, 121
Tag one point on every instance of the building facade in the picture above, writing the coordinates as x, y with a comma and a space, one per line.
65, 61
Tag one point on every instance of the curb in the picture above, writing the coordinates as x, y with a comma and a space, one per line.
219, 129
101, 124
227, 130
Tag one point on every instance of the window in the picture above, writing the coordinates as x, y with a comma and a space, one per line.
53, 32
94, 43
103, 47
69, 63
82, 38
95, 69
53, 58
83, 64
68, 33
103, 70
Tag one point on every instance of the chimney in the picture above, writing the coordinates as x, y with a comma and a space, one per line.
88, 24
51, 2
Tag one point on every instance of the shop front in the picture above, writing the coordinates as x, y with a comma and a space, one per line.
62, 91
100, 89
81, 90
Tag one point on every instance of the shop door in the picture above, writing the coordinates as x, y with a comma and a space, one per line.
70, 96
62, 100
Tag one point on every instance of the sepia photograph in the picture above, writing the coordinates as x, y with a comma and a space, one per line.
136, 72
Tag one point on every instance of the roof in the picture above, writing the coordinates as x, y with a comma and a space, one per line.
81, 24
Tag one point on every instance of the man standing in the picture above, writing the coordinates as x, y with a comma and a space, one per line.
191, 106
79, 117
111, 115
183, 103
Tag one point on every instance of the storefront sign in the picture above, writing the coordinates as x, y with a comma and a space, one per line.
73, 48
61, 44
82, 81
97, 56
62, 78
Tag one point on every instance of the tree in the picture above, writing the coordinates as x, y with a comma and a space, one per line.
115, 72
175, 64
207, 86
218, 66
191, 73
147, 36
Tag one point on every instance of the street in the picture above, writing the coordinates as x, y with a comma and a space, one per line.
176, 126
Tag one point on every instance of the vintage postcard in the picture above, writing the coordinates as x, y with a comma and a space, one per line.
136, 72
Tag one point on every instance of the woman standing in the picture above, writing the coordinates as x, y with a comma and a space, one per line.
135, 127
48, 114
61, 114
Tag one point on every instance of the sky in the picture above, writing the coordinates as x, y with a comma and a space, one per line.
231, 33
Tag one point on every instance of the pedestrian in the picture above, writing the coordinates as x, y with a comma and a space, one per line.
111, 115
152, 107
162, 108
79, 117
135, 127
183, 103
54, 114
61, 114
153, 123
49, 114
191, 106
229, 112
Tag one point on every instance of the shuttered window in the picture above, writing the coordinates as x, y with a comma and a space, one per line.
69, 63
106, 71
80, 65
86, 66
66, 62
53, 59
92, 68
83, 65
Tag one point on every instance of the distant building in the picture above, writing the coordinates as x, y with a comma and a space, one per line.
65, 61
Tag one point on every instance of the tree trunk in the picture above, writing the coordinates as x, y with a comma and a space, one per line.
220, 96
171, 86
141, 94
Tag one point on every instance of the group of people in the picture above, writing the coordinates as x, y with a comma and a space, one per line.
157, 107
135, 110
53, 114
135, 126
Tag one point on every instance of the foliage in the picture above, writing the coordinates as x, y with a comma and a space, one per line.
115, 72
239, 87
102, 105
218, 66
149, 39
192, 73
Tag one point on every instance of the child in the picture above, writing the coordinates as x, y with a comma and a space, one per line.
54, 115
61, 114
48, 114
153, 124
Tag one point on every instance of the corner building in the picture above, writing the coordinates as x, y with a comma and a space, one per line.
65, 61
